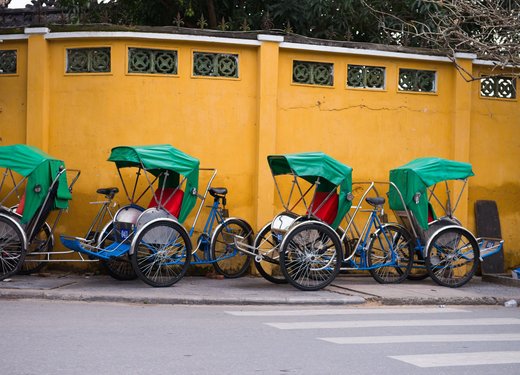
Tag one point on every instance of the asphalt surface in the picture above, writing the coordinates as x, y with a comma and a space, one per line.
249, 290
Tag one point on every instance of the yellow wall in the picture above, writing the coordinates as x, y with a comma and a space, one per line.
232, 124
495, 154
13, 102
13, 97
202, 117
370, 130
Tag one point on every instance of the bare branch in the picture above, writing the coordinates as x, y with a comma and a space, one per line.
488, 28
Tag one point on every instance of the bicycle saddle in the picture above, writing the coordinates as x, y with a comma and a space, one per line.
111, 191
221, 192
375, 201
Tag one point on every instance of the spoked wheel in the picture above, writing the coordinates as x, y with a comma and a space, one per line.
161, 253
35, 258
311, 256
390, 254
452, 257
419, 270
120, 268
12, 251
229, 260
268, 246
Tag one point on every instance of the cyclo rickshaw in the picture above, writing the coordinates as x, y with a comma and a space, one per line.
305, 245
32, 185
301, 245
444, 249
149, 241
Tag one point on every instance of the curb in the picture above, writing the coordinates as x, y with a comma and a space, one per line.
480, 301
180, 300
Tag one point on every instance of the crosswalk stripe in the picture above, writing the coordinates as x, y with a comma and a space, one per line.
460, 359
395, 323
423, 338
361, 311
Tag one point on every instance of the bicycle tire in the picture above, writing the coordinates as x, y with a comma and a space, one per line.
452, 257
227, 259
12, 251
265, 240
161, 253
119, 268
392, 245
311, 256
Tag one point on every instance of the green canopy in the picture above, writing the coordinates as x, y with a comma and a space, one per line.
313, 165
158, 158
40, 170
416, 176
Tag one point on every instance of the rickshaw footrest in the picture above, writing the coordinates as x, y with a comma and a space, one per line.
113, 250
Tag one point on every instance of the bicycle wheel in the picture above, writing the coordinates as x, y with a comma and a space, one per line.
228, 259
311, 256
390, 254
268, 246
161, 253
452, 257
43, 242
419, 270
12, 250
120, 268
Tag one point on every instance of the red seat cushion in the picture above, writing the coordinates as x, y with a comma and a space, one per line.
21, 205
431, 213
173, 204
328, 212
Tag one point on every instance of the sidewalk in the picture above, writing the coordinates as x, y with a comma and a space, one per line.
253, 291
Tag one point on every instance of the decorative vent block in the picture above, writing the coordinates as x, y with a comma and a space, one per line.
367, 77
313, 73
88, 60
208, 64
417, 80
152, 61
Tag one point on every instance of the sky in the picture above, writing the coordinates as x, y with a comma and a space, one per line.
18, 4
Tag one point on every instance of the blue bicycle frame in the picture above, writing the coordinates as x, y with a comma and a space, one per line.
358, 259
216, 215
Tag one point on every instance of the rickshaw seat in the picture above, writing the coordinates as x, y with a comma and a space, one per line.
170, 203
404, 217
329, 210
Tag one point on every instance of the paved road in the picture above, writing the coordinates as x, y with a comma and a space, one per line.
56, 337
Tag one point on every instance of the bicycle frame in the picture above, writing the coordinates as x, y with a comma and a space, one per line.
97, 224
204, 240
372, 224
216, 217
